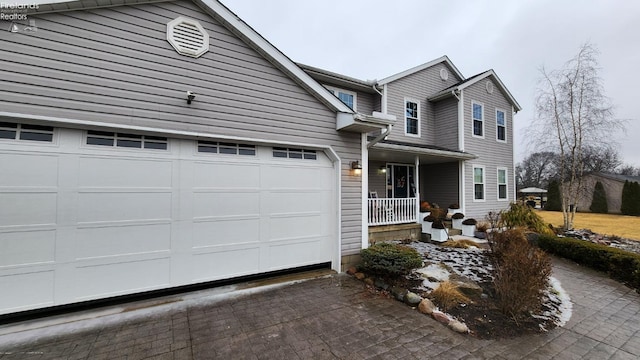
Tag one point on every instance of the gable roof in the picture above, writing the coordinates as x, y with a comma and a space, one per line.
472, 80
619, 177
239, 28
442, 59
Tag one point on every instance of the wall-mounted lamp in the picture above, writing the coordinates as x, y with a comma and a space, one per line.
356, 167
382, 170
190, 96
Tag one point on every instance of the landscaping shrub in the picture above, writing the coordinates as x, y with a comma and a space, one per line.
553, 197
438, 213
621, 265
448, 296
389, 260
599, 201
460, 244
522, 216
520, 273
630, 198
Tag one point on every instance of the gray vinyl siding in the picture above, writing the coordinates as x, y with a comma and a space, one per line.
114, 65
418, 86
439, 183
366, 103
491, 153
446, 123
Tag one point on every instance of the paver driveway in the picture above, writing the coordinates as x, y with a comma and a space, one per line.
333, 318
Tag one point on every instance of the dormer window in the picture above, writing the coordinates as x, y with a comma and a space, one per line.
349, 98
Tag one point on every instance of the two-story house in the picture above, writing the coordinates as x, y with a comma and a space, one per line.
451, 143
147, 145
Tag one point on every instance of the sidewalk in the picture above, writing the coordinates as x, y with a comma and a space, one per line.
330, 317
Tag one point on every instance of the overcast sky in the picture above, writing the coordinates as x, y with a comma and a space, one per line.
372, 39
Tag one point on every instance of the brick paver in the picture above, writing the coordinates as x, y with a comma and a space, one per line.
335, 318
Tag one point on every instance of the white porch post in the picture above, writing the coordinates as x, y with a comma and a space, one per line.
461, 192
365, 191
417, 180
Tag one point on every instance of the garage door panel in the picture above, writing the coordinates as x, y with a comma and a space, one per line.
296, 225
308, 251
223, 232
28, 170
111, 279
124, 172
226, 175
27, 290
27, 247
293, 178
224, 263
96, 207
28, 208
122, 240
284, 202
225, 204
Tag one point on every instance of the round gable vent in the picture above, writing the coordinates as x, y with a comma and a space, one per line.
489, 86
444, 74
188, 37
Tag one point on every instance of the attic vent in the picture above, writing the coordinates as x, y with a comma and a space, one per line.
489, 86
444, 74
188, 37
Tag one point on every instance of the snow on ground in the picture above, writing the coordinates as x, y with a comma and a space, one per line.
473, 264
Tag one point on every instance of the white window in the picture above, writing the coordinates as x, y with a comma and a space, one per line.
478, 183
411, 117
477, 112
501, 126
214, 147
105, 138
349, 98
502, 184
15, 131
293, 153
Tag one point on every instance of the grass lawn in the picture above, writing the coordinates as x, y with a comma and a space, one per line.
608, 224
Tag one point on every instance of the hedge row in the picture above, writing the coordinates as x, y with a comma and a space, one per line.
621, 265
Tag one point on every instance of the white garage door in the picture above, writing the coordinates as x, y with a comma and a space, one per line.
90, 215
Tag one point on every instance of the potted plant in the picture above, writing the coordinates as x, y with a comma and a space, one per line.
456, 220
481, 230
439, 231
454, 208
427, 221
425, 208
469, 227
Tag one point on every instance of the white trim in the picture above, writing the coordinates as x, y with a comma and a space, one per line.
506, 183
416, 179
404, 110
513, 162
500, 84
473, 102
347, 92
461, 196
505, 126
365, 190
461, 121
415, 69
484, 183
383, 102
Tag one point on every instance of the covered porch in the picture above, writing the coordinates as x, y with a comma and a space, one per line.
400, 176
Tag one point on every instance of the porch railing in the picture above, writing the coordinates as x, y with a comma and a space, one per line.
392, 211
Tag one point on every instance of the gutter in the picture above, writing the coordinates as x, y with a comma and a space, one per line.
383, 135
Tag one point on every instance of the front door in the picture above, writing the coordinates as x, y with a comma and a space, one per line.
401, 181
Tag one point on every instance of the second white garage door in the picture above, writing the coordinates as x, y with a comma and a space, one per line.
82, 221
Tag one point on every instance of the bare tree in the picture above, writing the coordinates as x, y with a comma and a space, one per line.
573, 113
536, 170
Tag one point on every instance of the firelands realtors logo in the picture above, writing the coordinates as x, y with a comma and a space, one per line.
15, 11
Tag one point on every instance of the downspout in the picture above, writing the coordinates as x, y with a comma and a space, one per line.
383, 135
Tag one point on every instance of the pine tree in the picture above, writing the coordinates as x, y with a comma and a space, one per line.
599, 201
624, 202
553, 197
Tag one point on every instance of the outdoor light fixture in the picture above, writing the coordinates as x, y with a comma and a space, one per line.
356, 167
190, 96
382, 170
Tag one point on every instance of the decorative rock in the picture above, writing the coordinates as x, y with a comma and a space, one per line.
368, 281
441, 317
398, 293
359, 275
426, 306
457, 326
412, 298
379, 283
352, 270
470, 289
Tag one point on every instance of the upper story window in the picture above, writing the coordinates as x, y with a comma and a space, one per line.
477, 111
478, 183
349, 98
17, 131
501, 126
502, 184
412, 117
105, 138
293, 153
215, 147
